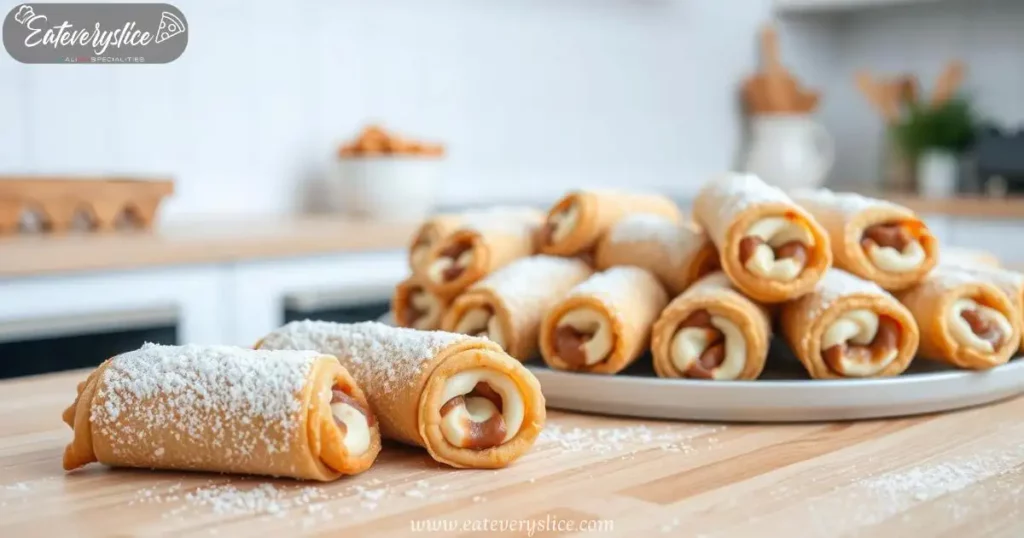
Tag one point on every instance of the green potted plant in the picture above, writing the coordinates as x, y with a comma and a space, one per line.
936, 135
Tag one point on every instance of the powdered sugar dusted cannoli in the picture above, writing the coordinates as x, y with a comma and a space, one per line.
604, 324
483, 243
678, 253
874, 239
576, 222
507, 307
711, 331
770, 247
849, 327
223, 409
460, 397
964, 320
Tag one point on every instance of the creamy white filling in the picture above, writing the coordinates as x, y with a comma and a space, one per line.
690, 343
419, 254
594, 323
436, 270
513, 408
775, 232
481, 321
357, 436
961, 330
564, 221
430, 307
893, 261
857, 327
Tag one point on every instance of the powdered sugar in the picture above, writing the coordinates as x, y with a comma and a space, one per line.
624, 439
177, 389
678, 241
381, 357
837, 283
949, 277
615, 286
847, 203
531, 284
735, 192
502, 219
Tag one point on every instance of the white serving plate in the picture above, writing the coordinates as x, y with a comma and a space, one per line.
783, 394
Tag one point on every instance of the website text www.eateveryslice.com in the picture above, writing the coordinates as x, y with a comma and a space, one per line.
527, 527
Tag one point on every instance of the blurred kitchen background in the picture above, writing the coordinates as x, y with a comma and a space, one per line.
529, 98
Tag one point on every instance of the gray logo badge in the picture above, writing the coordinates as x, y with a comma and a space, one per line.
95, 33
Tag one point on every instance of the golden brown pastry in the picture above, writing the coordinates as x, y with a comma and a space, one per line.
507, 307
460, 397
877, 240
414, 306
964, 321
711, 331
849, 327
604, 324
223, 409
771, 248
483, 243
577, 221
678, 253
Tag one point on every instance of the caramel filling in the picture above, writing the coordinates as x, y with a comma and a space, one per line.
451, 262
776, 248
583, 337
893, 247
707, 346
978, 327
482, 409
353, 420
861, 343
560, 224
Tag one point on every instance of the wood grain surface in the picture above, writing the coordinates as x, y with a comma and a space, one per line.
949, 475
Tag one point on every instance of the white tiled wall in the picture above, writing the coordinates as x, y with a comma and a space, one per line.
531, 96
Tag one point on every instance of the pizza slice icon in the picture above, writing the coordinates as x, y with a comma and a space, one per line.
170, 26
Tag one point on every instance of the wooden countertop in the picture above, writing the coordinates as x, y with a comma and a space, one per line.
964, 206
953, 475
207, 242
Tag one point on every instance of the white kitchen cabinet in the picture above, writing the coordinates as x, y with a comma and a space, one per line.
195, 293
227, 303
258, 289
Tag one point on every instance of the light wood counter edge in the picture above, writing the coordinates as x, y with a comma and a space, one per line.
211, 242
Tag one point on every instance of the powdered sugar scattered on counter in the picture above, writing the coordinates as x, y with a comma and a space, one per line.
625, 439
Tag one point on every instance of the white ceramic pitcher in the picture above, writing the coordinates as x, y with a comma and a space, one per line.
790, 151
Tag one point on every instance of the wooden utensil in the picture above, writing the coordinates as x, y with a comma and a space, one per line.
949, 82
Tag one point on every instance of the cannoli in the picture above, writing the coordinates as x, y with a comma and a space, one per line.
967, 257
711, 331
508, 306
849, 327
677, 253
223, 409
604, 324
414, 306
964, 321
460, 397
578, 220
771, 248
874, 239
483, 243
1011, 283
429, 234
